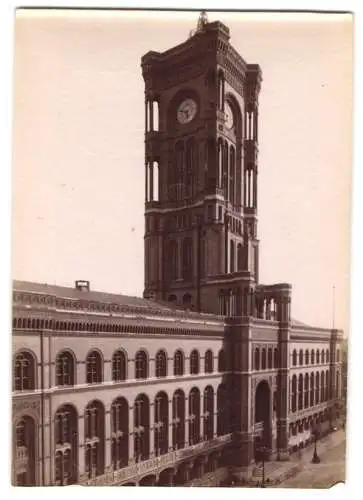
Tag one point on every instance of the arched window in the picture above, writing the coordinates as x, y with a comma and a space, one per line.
187, 265
307, 356
94, 428
141, 428
189, 171
194, 362
221, 361
306, 391
276, 358
301, 392
222, 409
317, 388
25, 445
24, 371
120, 433
239, 257
232, 257
66, 445
322, 387
141, 365
337, 384
194, 416
327, 386
161, 424
312, 389
269, 358
208, 362
323, 356
312, 356
119, 366
178, 363
208, 413
294, 393
317, 356
338, 356
327, 356
263, 361
301, 357
94, 368
257, 358
294, 357
178, 419
221, 90
161, 362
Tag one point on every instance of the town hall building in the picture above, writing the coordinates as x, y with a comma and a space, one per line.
207, 374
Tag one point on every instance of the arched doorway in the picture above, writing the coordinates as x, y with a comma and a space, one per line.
148, 481
262, 419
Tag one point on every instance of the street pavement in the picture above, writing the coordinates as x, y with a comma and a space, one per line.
330, 471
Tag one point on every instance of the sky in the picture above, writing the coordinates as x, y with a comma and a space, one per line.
78, 150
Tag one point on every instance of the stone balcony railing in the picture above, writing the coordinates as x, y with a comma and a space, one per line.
155, 465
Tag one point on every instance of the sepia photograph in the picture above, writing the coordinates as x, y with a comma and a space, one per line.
181, 227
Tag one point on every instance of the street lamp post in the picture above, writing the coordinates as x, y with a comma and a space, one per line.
315, 459
263, 450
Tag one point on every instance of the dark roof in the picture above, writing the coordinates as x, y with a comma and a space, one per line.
131, 302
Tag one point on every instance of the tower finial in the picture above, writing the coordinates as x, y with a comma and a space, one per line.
202, 21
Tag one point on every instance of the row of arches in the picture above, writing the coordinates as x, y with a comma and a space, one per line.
188, 420
312, 357
311, 389
25, 366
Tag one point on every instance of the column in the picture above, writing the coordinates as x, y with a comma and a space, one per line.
107, 451
215, 415
151, 181
186, 423
170, 420
81, 448
131, 436
152, 429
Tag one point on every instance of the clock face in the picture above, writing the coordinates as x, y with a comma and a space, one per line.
228, 113
187, 111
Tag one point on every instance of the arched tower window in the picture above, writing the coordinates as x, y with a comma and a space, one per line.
269, 358
263, 360
232, 256
257, 358
187, 269
232, 174
189, 178
221, 90
24, 371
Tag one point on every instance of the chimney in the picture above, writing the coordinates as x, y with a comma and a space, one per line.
83, 285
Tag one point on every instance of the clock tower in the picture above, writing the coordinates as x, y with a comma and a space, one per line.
201, 145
